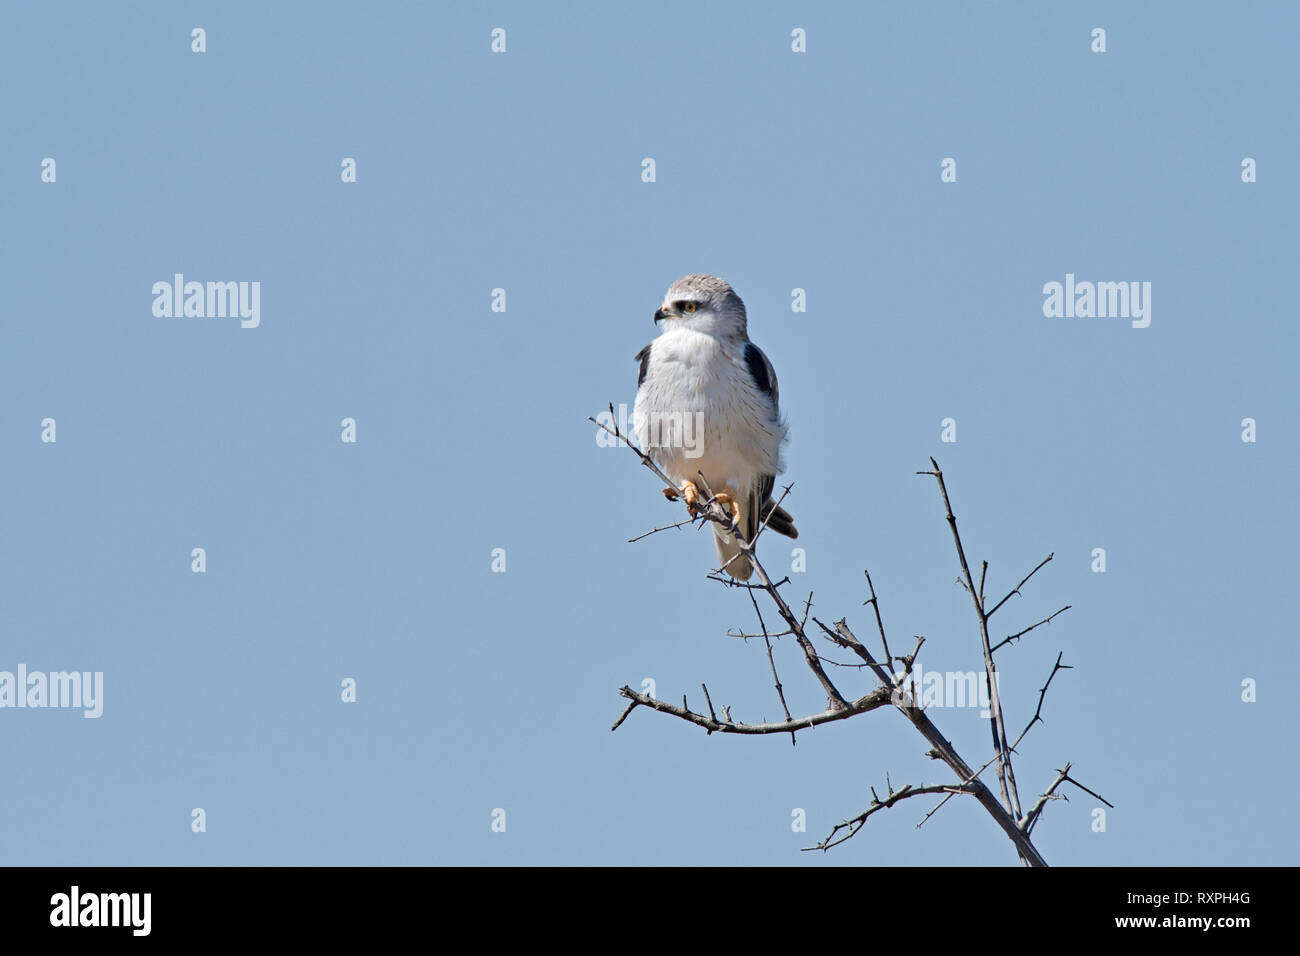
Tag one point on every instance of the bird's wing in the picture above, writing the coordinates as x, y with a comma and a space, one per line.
761, 371
760, 503
644, 358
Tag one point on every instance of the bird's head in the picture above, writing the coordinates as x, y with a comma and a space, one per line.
703, 304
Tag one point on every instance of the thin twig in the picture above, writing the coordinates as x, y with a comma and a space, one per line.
1006, 773
707, 699
1016, 590
1019, 634
767, 640
745, 636
667, 527
725, 725
880, 624
856, 824
1063, 776
1042, 694
1049, 794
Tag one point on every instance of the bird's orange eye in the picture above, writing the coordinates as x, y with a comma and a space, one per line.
689, 307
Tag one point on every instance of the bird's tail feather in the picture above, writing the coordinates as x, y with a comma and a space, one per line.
752, 516
780, 521
730, 559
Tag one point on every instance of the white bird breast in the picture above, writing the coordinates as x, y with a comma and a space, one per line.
699, 410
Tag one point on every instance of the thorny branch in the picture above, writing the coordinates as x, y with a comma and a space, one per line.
892, 685
853, 826
1006, 774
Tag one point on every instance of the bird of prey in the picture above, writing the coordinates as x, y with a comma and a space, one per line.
706, 403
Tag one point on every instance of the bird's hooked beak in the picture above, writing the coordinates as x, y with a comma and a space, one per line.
661, 314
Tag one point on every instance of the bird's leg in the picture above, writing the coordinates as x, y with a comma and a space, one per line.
731, 504
690, 494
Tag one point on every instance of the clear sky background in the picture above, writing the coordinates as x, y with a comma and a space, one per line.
480, 690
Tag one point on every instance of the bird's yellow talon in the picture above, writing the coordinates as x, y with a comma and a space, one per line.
692, 496
730, 503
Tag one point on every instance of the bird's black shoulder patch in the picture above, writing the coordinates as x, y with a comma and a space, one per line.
757, 368
644, 358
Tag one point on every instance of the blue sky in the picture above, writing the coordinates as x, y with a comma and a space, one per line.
373, 560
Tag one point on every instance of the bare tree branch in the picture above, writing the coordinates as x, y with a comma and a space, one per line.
945, 751
667, 527
772, 663
1006, 773
1019, 634
1042, 694
891, 689
880, 624
854, 825
877, 698
1049, 794
1063, 776
1016, 590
